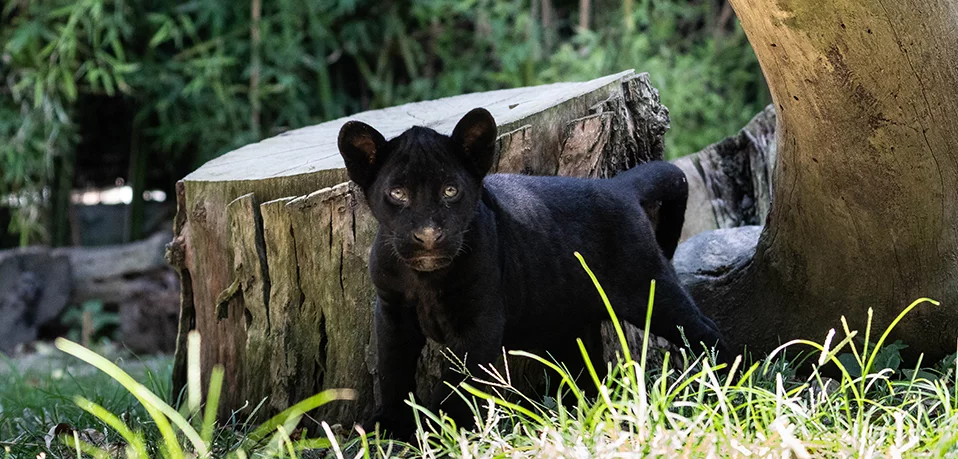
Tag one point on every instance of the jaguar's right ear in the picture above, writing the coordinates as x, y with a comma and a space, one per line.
362, 148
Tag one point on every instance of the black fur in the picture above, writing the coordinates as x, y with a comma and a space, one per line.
493, 265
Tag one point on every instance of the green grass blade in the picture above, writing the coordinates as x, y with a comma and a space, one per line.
145, 397
286, 441
648, 324
134, 439
608, 306
84, 447
563, 375
498, 401
313, 443
588, 363
212, 403
298, 410
871, 359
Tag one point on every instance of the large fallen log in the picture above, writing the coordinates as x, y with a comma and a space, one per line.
272, 243
105, 273
38, 283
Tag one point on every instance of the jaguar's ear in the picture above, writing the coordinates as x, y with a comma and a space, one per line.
362, 148
476, 133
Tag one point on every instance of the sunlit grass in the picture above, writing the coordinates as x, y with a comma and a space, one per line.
762, 409
850, 398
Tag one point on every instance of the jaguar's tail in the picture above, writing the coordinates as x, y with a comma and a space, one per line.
663, 192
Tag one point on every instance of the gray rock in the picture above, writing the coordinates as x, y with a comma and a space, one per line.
34, 287
714, 253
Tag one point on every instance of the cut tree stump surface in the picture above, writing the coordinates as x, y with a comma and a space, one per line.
272, 243
313, 148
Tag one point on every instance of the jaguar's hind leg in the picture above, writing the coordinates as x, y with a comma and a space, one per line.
673, 309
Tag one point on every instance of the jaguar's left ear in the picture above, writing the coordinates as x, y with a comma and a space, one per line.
476, 134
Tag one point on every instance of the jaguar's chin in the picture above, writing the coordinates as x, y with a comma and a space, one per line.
428, 263
424, 259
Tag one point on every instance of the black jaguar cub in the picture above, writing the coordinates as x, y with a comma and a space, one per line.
479, 262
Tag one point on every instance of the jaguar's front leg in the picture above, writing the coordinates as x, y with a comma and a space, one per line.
399, 341
476, 346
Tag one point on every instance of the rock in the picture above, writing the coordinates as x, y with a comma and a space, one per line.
34, 288
710, 255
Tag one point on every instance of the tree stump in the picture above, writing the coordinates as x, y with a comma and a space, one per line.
271, 242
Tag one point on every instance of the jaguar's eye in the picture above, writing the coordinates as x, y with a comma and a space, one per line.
398, 194
450, 192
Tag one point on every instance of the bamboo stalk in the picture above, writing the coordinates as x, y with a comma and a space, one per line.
548, 26
585, 7
256, 10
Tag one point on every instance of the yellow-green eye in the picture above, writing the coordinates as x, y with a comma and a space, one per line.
450, 191
398, 194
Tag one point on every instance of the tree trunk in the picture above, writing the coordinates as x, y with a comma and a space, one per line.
865, 196
272, 243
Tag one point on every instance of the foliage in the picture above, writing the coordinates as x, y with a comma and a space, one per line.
52, 51
205, 77
102, 321
707, 75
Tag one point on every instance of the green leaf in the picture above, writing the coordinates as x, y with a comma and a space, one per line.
38, 93
851, 364
69, 86
161, 35
889, 357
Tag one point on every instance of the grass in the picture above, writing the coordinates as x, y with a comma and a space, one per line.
852, 400
37, 393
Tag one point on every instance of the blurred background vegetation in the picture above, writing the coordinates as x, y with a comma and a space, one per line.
104, 93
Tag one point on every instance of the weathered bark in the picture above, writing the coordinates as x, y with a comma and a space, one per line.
730, 181
274, 272
866, 201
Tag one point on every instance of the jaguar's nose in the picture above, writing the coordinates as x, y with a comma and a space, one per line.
428, 236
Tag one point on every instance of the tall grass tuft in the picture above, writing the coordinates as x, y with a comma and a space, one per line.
185, 433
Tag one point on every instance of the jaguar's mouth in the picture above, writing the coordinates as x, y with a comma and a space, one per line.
427, 263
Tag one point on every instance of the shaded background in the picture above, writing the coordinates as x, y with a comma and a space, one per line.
104, 104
